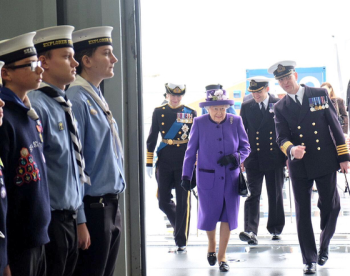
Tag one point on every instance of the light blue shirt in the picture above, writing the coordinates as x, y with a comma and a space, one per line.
101, 163
62, 169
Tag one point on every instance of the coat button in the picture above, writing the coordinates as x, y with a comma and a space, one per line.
257, 138
313, 124
270, 148
178, 145
163, 131
221, 177
162, 123
220, 139
318, 148
271, 144
220, 152
162, 115
179, 132
270, 132
163, 107
315, 132
299, 127
302, 144
270, 138
217, 126
257, 132
317, 141
257, 149
257, 144
301, 135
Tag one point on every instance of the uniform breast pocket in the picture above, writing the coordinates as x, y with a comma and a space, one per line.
205, 179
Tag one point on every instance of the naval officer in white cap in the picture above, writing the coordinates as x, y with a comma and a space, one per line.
102, 150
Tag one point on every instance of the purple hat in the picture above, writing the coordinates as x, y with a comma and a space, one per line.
216, 97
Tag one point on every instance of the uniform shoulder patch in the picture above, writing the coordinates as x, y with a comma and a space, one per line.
163, 105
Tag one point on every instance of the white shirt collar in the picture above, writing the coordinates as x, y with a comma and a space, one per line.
300, 94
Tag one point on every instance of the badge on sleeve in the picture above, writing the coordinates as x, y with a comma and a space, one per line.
93, 111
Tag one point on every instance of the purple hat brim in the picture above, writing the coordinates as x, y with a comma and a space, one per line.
211, 103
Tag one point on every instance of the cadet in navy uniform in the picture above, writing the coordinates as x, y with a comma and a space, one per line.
174, 122
3, 202
21, 150
230, 109
308, 132
265, 160
55, 51
103, 153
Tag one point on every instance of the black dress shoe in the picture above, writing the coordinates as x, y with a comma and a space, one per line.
310, 268
248, 237
275, 237
322, 256
211, 258
224, 267
181, 250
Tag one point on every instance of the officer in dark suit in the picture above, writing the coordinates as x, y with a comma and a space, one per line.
265, 160
308, 132
174, 121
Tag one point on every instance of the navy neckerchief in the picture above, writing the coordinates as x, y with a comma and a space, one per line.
7, 95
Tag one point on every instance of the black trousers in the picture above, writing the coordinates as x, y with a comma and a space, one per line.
329, 205
179, 213
27, 262
62, 250
104, 225
274, 185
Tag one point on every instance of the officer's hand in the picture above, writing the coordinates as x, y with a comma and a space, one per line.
242, 167
84, 241
344, 166
186, 185
149, 171
228, 159
298, 152
7, 271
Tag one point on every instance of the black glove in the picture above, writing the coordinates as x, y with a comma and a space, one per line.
186, 185
228, 159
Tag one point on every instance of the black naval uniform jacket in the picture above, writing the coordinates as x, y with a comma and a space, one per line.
319, 131
265, 154
164, 116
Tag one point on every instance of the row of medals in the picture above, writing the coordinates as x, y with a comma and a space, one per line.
318, 103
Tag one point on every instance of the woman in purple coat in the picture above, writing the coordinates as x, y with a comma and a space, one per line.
218, 138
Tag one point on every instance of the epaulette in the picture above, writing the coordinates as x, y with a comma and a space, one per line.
161, 105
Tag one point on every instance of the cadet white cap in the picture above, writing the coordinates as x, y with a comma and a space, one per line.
175, 89
53, 38
92, 37
282, 68
17, 48
257, 83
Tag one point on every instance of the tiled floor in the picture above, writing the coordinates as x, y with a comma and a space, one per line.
268, 259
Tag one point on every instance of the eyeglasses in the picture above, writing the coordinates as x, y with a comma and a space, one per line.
287, 78
33, 65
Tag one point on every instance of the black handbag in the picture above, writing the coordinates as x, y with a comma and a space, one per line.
243, 189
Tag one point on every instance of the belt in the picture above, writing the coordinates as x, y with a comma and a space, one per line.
64, 214
174, 142
107, 197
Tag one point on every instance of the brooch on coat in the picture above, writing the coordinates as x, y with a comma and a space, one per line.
231, 120
318, 103
271, 107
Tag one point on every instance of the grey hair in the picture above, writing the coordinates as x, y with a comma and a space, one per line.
207, 107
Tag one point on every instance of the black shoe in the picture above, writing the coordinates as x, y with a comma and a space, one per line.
322, 256
310, 268
248, 237
275, 237
211, 258
181, 249
224, 267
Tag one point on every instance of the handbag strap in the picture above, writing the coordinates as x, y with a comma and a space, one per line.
239, 162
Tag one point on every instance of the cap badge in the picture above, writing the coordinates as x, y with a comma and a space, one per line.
253, 83
177, 90
281, 68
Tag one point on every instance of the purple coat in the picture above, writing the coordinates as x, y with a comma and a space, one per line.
216, 185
